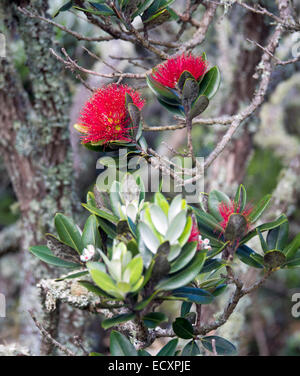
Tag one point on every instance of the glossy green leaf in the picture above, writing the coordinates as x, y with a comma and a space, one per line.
101, 213
241, 197
186, 255
159, 219
169, 349
277, 238
148, 237
263, 243
185, 276
95, 289
207, 220
72, 276
222, 345
291, 249
264, 227
215, 198
245, 254
90, 234
183, 328
120, 345
210, 83
165, 94
68, 232
199, 106
182, 79
185, 308
176, 227
46, 255
64, 8
116, 320
194, 295
153, 319
191, 349
259, 208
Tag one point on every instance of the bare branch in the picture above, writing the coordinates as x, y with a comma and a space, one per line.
49, 338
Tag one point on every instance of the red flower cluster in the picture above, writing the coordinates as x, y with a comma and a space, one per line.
105, 117
226, 210
169, 72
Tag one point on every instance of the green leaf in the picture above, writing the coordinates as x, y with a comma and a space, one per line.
245, 254
183, 328
262, 241
174, 109
185, 276
264, 227
120, 345
176, 227
103, 12
293, 263
182, 79
215, 198
102, 9
105, 282
223, 347
277, 238
153, 319
199, 106
259, 208
72, 276
163, 93
212, 264
159, 219
101, 213
68, 232
207, 220
191, 349
143, 6
186, 255
115, 199
210, 82
291, 249
135, 115
95, 289
64, 8
184, 237
241, 197
90, 234
151, 241
185, 308
169, 349
161, 201
143, 353
194, 295
116, 320
46, 255
134, 270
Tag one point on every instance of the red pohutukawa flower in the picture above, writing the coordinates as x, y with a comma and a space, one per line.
235, 221
168, 73
105, 117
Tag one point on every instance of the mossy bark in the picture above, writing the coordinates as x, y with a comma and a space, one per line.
34, 142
